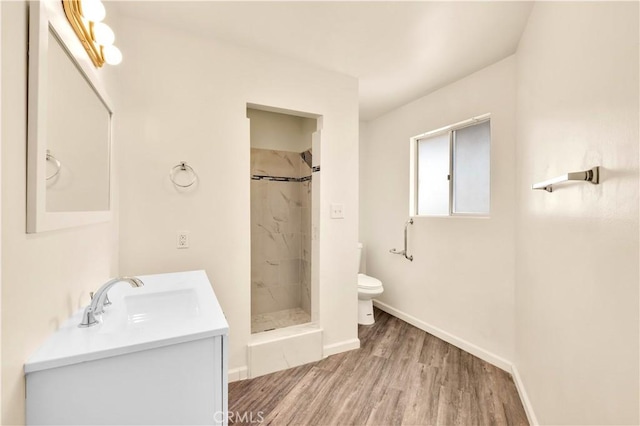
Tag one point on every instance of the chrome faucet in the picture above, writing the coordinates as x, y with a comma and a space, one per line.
100, 299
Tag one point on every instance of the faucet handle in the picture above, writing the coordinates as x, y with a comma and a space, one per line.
91, 295
88, 318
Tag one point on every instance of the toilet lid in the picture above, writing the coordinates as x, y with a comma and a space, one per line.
365, 281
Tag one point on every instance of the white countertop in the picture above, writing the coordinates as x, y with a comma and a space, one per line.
169, 309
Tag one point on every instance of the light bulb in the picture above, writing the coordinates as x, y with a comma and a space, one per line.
112, 55
102, 34
93, 10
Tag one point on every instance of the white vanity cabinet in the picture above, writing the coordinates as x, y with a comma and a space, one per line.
158, 357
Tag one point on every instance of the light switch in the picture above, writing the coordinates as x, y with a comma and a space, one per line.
337, 211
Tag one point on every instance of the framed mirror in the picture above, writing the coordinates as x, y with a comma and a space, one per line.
69, 130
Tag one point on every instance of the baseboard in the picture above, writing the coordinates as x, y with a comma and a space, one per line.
344, 346
526, 403
236, 374
483, 354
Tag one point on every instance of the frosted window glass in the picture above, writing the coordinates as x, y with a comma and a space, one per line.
471, 169
433, 172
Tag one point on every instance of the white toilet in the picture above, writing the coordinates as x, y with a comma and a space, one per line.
368, 288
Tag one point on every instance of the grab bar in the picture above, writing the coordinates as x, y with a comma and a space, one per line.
591, 175
404, 252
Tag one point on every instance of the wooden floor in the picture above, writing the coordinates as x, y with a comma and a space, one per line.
400, 376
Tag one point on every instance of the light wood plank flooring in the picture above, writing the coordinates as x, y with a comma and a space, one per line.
400, 376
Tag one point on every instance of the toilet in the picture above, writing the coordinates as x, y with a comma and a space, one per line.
368, 288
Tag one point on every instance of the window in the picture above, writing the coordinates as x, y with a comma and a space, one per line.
451, 170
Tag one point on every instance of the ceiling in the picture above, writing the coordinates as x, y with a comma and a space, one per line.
399, 51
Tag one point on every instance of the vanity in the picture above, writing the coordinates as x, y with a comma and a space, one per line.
158, 356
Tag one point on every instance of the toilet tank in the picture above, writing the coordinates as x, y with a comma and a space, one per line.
359, 255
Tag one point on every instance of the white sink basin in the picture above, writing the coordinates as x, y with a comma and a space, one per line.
161, 306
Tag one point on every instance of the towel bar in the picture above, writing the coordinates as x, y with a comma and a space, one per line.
592, 175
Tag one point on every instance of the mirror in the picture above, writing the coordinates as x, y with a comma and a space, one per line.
68, 179
77, 137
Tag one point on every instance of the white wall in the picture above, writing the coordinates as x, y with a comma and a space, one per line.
362, 141
280, 132
185, 98
0, 219
462, 278
577, 248
46, 276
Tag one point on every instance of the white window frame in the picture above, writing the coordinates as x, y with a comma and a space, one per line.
413, 168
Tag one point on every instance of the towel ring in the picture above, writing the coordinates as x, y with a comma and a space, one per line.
56, 162
182, 167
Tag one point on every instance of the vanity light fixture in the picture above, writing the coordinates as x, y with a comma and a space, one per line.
85, 17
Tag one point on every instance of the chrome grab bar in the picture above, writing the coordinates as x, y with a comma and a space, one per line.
404, 252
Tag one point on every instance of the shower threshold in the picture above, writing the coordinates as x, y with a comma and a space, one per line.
279, 319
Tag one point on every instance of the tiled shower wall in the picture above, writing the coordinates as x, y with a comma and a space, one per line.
280, 232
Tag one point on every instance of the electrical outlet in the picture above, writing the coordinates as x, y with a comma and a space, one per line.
183, 240
337, 211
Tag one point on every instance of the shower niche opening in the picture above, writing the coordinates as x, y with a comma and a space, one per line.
284, 155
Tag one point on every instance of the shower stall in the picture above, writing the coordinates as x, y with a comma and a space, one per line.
281, 219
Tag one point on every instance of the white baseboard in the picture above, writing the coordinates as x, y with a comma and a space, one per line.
344, 346
490, 357
236, 374
528, 408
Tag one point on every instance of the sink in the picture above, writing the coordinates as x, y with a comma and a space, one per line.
162, 306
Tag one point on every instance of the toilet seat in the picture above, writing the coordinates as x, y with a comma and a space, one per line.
366, 282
